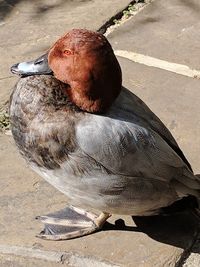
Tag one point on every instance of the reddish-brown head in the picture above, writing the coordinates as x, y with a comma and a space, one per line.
85, 61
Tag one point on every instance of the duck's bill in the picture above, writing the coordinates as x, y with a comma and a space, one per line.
35, 67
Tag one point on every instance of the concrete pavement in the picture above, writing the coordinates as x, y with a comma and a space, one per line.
166, 30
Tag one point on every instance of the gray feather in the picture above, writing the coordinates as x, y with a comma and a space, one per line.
125, 161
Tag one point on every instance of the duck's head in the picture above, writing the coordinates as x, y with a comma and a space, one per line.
85, 62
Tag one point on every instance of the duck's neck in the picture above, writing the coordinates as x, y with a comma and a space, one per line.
94, 101
96, 95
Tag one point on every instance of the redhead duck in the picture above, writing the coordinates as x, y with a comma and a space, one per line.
92, 139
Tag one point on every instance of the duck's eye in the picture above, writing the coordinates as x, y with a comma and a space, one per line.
67, 52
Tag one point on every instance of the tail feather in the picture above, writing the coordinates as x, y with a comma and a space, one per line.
198, 177
190, 180
188, 186
183, 189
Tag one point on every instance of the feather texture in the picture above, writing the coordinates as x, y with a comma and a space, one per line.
124, 161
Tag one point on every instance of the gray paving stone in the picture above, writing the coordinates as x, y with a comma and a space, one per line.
168, 30
13, 261
193, 260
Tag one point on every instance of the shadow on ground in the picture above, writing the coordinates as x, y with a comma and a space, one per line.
41, 7
177, 228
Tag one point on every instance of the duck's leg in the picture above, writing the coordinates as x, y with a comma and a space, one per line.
71, 222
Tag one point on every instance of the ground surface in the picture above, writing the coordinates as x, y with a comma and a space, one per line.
167, 30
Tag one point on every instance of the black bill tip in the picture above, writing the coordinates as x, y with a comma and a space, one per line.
14, 68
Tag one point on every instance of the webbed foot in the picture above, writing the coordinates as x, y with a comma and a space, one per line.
70, 222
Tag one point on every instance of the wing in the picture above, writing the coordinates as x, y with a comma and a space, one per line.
134, 105
129, 141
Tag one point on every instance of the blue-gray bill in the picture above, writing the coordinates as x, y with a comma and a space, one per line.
34, 67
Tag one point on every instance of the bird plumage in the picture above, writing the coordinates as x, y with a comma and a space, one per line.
122, 161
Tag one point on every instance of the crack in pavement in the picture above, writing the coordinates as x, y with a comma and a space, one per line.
110, 25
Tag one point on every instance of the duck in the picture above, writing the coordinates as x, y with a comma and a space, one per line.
93, 139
